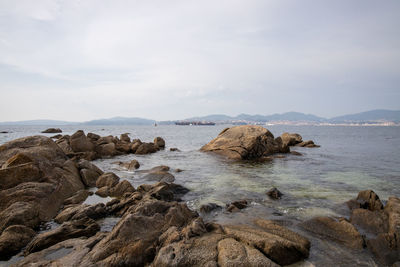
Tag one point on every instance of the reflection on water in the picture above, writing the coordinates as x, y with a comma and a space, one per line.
350, 159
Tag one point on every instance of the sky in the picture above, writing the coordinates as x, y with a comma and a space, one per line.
78, 60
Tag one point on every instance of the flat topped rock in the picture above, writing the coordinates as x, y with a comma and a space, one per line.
244, 142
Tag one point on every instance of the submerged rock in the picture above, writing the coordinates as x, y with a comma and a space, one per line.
209, 207
244, 142
274, 193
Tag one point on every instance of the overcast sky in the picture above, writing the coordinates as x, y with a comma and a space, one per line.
81, 60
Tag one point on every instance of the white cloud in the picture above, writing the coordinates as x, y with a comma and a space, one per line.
213, 56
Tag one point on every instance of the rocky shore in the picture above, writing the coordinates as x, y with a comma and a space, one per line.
42, 180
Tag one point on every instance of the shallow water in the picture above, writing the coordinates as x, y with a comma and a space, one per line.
350, 159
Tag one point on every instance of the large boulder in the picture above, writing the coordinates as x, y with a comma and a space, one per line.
13, 239
36, 178
80, 143
159, 142
243, 142
145, 148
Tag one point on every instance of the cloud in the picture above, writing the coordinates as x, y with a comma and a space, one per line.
193, 58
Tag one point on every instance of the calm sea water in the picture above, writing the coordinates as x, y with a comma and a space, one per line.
350, 159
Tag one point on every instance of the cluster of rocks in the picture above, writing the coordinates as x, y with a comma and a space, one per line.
371, 225
40, 183
247, 142
93, 146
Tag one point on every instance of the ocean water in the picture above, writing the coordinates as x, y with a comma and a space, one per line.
350, 159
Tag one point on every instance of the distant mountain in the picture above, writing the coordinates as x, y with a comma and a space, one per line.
288, 116
369, 116
39, 123
121, 121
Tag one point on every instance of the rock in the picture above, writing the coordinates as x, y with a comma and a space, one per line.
160, 177
125, 138
20, 213
234, 253
93, 137
159, 143
280, 244
84, 164
52, 130
4, 132
108, 179
164, 191
135, 145
373, 222
15, 175
236, 205
106, 150
121, 188
296, 153
13, 239
57, 136
367, 199
72, 229
80, 143
130, 166
79, 197
146, 148
174, 149
291, 139
103, 191
89, 177
385, 248
274, 193
243, 142
78, 212
340, 231
308, 143
392, 210
134, 239
207, 208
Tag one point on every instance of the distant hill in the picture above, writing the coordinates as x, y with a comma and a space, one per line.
39, 123
369, 116
288, 116
121, 121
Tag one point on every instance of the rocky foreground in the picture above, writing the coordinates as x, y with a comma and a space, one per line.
41, 180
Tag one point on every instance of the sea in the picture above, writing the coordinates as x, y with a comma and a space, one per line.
318, 183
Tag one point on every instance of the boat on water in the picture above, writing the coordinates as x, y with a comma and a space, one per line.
195, 123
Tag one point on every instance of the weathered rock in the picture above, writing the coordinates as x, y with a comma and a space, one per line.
159, 143
106, 150
133, 239
274, 193
243, 142
121, 188
174, 149
52, 130
81, 211
57, 136
125, 138
236, 205
284, 249
373, 222
207, 208
135, 145
163, 191
234, 253
340, 231
80, 143
84, 164
108, 179
161, 176
16, 160
385, 248
131, 165
79, 197
72, 229
89, 177
14, 175
146, 148
291, 139
308, 143
13, 239
367, 199
20, 213
93, 137
392, 210
103, 191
